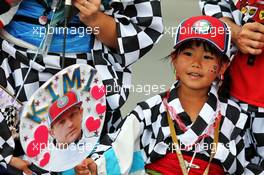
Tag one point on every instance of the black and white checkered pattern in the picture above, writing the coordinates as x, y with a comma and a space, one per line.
255, 142
222, 8
247, 107
139, 27
10, 114
254, 133
232, 124
7, 143
151, 133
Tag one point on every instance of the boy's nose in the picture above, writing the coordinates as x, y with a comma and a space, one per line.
196, 64
196, 61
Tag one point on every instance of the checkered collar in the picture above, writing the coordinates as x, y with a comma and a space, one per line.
205, 118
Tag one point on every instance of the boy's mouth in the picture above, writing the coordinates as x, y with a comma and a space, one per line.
194, 74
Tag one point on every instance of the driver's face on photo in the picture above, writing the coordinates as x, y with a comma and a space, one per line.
67, 128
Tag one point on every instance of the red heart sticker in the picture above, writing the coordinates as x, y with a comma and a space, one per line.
33, 149
40, 141
100, 108
98, 92
92, 124
45, 160
41, 135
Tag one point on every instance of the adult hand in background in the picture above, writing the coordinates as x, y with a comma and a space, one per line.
89, 9
103, 26
249, 38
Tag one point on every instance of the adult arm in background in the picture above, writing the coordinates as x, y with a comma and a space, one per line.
126, 26
248, 37
134, 27
127, 19
91, 16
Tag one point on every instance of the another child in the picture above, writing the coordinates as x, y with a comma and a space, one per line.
188, 129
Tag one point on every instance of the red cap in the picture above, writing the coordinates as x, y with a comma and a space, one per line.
62, 104
206, 28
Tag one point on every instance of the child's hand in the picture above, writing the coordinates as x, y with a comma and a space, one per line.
21, 165
88, 167
88, 10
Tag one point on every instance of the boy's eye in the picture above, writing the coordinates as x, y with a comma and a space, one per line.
209, 57
187, 53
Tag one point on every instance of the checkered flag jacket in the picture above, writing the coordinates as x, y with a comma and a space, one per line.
145, 135
223, 8
7, 143
139, 27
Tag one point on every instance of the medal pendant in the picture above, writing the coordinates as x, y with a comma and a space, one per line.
43, 20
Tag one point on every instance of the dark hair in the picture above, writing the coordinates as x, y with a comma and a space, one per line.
224, 89
207, 47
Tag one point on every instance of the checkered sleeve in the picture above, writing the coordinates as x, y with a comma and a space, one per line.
216, 8
221, 8
116, 80
6, 143
139, 26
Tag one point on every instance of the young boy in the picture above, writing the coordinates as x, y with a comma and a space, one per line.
65, 116
188, 129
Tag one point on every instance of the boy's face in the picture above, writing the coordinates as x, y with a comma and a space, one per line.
197, 68
67, 128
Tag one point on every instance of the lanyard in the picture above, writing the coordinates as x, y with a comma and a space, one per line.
42, 49
178, 151
179, 121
